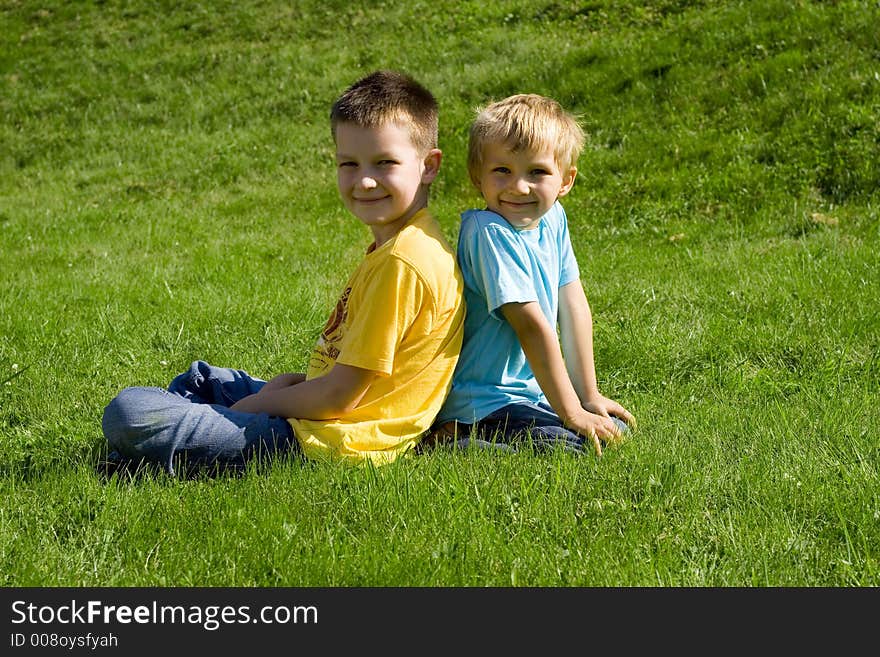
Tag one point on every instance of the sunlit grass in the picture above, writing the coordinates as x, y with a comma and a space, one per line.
167, 193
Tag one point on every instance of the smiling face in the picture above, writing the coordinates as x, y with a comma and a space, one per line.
521, 185
383, 178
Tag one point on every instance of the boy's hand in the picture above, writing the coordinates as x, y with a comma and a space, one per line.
602, 405
596, 427
540, 344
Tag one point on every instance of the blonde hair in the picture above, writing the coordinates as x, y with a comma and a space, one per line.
525, 121
389, 97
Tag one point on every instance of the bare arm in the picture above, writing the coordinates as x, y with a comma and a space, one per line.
576, 336
541, 347
327, 397
283, 380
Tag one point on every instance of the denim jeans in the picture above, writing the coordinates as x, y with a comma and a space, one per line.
191, 423
515, 426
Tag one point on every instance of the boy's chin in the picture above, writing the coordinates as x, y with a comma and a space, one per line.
521, 223
376, 219
518, 221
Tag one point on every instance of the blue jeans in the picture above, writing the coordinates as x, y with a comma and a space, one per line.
524, 425
191, 423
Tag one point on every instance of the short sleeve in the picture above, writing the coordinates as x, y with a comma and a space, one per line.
381, 312
568, 266
500, 267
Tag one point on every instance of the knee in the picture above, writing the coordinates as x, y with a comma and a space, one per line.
124, 415
622, 426
121, 405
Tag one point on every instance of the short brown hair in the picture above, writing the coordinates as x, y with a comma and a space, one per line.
386, 97
526, 121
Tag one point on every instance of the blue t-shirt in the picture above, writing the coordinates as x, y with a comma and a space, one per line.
500, 265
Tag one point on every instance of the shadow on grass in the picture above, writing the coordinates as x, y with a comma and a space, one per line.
462, 438
110, 465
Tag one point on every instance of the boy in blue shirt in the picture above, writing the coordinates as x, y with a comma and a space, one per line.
517, 380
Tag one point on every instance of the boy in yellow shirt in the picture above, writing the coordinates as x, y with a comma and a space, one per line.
384, 361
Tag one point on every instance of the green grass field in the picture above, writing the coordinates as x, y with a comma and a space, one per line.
167, 193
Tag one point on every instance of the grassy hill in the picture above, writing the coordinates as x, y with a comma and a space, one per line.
167, 193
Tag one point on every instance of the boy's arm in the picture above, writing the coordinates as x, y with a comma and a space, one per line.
283, 380
327, 397
576, 335
541, 347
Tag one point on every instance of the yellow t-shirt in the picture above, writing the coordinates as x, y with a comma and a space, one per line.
402, 316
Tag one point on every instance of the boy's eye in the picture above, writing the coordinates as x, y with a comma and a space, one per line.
500, 170
387, 163
540, 172
345, 163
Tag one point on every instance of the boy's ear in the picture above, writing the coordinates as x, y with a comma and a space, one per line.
432, 165
568, 181
476, 183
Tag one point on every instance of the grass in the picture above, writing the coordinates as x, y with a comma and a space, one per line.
167, 194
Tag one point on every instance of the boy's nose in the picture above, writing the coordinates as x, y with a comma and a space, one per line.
367, 182
521, 186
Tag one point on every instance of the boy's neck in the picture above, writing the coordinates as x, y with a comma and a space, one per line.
384, 232
387, 232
